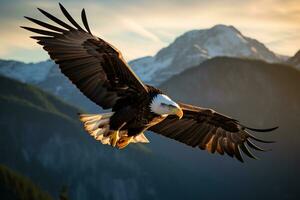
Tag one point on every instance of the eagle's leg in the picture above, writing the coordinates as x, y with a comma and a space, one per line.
131, 135
124, 141
114, 137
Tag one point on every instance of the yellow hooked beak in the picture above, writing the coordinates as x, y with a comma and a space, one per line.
178, 112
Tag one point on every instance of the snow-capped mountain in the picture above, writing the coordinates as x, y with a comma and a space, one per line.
47, 76
193, 47
26, 73
187, 50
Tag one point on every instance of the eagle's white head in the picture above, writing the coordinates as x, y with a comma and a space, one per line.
162, 105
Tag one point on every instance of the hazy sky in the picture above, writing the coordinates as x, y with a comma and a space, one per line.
141, 27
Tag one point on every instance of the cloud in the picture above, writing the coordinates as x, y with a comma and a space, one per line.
142, 27
135, 27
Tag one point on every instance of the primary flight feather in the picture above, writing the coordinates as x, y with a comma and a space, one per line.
99, 71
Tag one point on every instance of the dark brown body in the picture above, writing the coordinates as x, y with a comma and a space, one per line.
134, 114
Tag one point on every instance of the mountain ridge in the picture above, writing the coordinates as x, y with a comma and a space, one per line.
295, 60
187, 50
195, 46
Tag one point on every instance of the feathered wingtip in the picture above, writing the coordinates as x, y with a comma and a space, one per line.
248, 143
261, 131
58, 30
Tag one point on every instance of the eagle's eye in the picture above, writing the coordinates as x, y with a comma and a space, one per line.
167, 105
164, 104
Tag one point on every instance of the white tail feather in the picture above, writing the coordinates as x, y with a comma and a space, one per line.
97, 125
140, 138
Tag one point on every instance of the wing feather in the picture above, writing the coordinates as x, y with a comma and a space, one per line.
93, 65
85, 22
211, 131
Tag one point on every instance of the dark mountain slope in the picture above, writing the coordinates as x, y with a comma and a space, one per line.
242, 88
14, 186
42, 139
260, 95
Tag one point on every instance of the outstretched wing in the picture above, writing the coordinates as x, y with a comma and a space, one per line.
207, 129
93, 65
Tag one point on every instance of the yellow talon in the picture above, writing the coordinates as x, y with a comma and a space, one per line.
114, 137
124, 141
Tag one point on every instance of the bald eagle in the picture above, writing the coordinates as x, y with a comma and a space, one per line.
99, 71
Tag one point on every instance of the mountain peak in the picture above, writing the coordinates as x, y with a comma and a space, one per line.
223, 27
295, 60
195, 46
220, 28
297, 54
26, 72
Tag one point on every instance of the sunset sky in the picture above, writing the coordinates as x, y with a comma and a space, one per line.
142, 27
